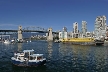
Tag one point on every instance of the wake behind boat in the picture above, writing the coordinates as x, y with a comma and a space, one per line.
28, 58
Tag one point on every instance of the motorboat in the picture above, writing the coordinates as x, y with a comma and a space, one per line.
6, 41
28, 58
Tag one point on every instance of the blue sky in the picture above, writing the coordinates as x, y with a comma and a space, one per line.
50, 13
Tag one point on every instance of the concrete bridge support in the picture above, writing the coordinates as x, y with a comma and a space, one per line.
49, 35
20, 33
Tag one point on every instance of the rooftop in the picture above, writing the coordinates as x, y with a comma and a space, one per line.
28, 50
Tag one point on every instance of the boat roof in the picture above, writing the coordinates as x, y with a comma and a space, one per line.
17, 53
28, 50
34, 55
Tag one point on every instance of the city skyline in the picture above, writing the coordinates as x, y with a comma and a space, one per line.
51, 13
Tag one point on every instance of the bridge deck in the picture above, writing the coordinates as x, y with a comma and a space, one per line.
26, 31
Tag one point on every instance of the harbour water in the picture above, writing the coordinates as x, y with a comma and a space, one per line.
60, 57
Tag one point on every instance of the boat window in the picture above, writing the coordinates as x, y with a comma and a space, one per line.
32, 58
39, 58
26, 54
31, 53
21, 53
19, 58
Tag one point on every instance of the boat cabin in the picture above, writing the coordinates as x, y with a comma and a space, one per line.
19, 56
36, 57
35, 60
25, 54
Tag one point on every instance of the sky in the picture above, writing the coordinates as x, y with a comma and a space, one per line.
51, 13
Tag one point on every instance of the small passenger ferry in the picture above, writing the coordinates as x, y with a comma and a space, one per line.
28, 58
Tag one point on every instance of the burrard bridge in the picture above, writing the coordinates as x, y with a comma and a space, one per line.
50, 33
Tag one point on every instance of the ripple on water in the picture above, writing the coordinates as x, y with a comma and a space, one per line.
60, 57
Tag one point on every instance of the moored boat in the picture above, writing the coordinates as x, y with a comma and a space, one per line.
28, 58
80, 41
99, 41
6, 41
57, 41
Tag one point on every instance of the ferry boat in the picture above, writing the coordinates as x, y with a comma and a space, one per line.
80, 41
28, 59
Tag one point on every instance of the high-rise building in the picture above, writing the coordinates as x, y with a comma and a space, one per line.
75, 27
84, 28
75, 33
100, 25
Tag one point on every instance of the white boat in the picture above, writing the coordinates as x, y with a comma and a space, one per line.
6, 41
30, 40
28, 58
57, 41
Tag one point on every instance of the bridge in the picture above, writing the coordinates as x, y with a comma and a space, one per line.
49, 31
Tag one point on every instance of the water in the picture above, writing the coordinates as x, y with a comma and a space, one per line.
60, 57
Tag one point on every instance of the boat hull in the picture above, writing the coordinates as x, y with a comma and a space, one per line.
83, 43
80, 41
28, 64
37, 63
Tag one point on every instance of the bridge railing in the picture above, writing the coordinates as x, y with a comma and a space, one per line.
35, 28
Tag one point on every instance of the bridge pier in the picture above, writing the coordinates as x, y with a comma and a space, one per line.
49, 35
20, 33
